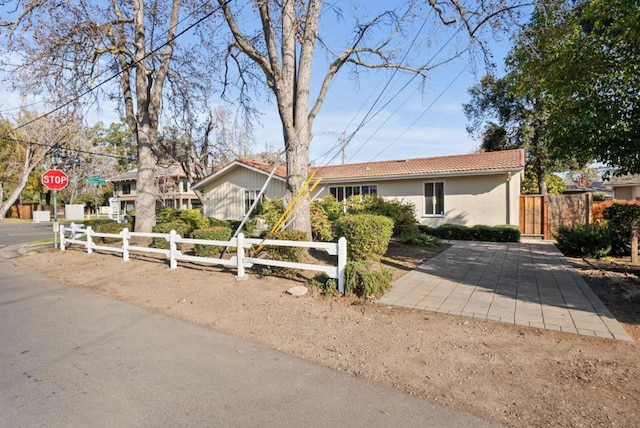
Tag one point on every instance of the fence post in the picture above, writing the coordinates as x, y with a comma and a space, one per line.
61, 233
89, 240
342, 262
173, 248
240, 255
125, 244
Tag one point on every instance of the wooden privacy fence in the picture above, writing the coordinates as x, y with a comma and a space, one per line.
78, 234
541, 216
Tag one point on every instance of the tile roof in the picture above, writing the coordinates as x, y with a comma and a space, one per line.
171, 171
471, 164
624, 180
281, 170
507, 160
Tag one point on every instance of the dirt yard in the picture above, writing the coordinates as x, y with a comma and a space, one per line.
515, 375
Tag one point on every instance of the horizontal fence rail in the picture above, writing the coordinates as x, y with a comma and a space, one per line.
78, 234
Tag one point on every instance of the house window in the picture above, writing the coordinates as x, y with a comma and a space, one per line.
434, 198
250, 197
344, 192
185, 186
126, 188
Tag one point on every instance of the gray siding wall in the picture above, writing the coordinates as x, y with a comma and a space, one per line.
224, 198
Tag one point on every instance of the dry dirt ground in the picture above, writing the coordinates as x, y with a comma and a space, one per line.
516, 375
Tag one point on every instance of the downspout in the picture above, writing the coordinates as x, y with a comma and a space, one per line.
508, 187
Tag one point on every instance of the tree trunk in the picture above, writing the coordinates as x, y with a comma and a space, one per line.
146, 181
634, 245
298, 171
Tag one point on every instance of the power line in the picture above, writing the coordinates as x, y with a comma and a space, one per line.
67, 149
153, 51
421, 114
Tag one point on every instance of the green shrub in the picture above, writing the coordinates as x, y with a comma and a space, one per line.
502, 233
247, 227
366, 279
106, 226
270, 211
289, 254
321, 227
583, 240
621, 219
219, 233
214, 222
194, 219
367, 235
180, 227
402, 213
327, 286
332, 207
166, 214
422, 240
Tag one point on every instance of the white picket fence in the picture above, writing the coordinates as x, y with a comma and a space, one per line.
78, 234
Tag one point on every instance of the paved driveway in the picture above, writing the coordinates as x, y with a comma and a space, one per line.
519, 283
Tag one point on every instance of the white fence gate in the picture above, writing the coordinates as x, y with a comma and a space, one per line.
78, 234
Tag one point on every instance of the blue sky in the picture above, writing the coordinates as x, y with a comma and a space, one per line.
421, 121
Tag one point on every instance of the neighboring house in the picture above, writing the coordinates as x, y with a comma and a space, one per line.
479, 188
173, 189
587, 186
626, 187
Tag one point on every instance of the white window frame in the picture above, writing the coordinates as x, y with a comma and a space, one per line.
250, 196
343, 189
434, 199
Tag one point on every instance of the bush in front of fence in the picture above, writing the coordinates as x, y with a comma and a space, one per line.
321, 226
180, 227
366, 279
219, 233
106, 226
368, 238
502, 233
591, 240
288, 254
367, 235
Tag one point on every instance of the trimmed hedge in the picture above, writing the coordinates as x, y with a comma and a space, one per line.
106, 226
402, 213
367, 235
503, 233
180, 227
219, 233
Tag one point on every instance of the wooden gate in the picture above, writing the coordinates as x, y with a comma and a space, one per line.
540, 216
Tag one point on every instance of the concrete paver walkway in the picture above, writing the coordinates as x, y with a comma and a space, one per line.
520, 283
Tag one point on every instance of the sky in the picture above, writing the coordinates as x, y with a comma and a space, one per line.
409, 121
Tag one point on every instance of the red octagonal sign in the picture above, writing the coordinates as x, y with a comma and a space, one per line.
55, 179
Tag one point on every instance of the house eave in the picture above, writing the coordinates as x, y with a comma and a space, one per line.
227, 169
423, 176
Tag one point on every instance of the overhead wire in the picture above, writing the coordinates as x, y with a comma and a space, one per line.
115, 75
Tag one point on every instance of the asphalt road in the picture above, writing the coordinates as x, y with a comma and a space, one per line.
72, 358
20, 233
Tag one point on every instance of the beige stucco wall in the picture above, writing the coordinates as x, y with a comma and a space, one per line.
224, 197
626, 192
469, 200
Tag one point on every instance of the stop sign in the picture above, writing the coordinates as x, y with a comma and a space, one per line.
55, 179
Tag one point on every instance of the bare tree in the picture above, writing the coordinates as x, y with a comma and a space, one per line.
26, 148
284, 49
201, 146
73, 47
